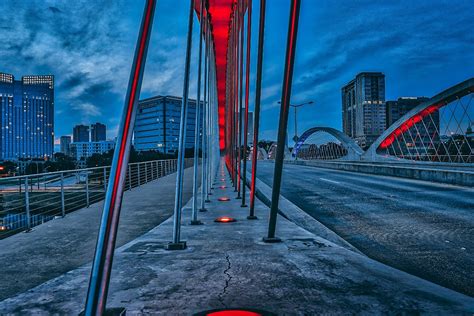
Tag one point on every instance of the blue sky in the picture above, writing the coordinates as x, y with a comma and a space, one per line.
422, 47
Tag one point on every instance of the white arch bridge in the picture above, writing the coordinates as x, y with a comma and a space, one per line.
439, 130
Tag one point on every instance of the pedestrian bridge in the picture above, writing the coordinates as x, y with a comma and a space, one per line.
223, 251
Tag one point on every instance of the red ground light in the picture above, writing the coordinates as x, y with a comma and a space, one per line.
224, 219
233, 313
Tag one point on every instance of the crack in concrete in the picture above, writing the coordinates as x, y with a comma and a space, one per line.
227, 281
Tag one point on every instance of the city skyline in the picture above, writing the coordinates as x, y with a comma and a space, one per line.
91, 79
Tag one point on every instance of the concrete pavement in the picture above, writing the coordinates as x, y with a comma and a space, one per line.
58, 246
228, 266
423, 228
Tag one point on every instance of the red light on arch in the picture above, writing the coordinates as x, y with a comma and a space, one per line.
418, 117
220, 14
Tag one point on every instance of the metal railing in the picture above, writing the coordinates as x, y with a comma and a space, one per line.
30, 200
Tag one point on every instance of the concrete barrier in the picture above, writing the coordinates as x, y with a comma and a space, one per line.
455, 177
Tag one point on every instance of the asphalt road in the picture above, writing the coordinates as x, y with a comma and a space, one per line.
423, 228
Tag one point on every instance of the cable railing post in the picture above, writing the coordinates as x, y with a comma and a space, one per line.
63, 205
146, 172
283, 122
138, 174
256, 111
87, 189
105, 179
177, 244
27, 206
102, 264
129, 177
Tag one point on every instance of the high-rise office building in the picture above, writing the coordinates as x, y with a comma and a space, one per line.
157, 124
98, 132
363, 107
80, 133
65, 143
27, 121
425, 134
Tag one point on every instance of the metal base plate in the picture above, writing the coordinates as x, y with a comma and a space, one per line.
271, 240
196, 222
252, 217
176, 246
115, 311
203, 210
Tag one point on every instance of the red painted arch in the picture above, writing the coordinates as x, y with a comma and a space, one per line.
220, 15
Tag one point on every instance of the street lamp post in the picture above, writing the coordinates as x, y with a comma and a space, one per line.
296, 106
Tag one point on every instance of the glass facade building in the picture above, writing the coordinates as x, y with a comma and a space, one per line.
157, 124
363, 108
27, 121
98, 132
65, 145
80, 133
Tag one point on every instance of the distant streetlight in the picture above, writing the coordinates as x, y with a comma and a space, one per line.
296, 106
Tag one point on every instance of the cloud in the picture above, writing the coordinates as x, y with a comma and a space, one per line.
87, 110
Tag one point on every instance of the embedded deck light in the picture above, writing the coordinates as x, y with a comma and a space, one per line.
234, 312
222, 187
223, 199
225, 219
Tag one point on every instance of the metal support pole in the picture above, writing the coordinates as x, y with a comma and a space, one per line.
63, 205
236, 91
256, 111
283, 123
194, 218
247, 88
102, 264
209, 126
87, 189
241, 94
177, 244
204, 125
27, 206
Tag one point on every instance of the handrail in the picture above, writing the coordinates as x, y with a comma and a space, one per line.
75, 170
30, 200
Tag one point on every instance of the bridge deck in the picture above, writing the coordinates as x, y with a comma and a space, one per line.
53, 248
227, 265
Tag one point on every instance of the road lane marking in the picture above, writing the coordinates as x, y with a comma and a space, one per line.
327, 180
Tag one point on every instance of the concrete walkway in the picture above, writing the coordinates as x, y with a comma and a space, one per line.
228, 266
58, 246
